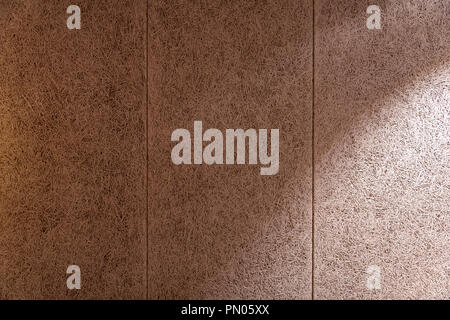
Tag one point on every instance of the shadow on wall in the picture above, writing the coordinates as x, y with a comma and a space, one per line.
370, 67
381, 113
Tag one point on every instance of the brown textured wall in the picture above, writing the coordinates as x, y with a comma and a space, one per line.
381, 150
226, 231
72, 149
